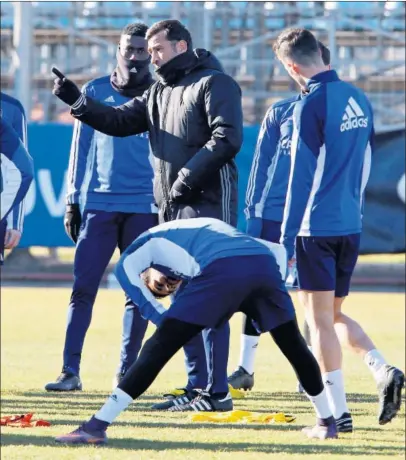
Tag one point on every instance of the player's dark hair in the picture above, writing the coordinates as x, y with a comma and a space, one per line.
325, 53
145, 278
137, 29
174, 30
300, 45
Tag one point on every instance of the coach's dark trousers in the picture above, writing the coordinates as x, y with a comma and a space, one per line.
100, 234
206, 355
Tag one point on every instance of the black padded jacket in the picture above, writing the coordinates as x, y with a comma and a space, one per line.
193, 114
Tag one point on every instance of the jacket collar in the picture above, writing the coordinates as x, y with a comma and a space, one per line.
177, 68
322, 77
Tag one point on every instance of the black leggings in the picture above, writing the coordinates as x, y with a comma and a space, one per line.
292, 344
249, 329
173, 334
169, 338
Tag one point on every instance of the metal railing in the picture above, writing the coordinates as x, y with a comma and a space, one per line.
366, 47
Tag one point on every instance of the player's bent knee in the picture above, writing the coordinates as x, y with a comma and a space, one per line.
83, 293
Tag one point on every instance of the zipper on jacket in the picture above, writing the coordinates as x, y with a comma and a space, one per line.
164, 182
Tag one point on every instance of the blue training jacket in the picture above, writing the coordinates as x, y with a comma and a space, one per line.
330, 161
182, 249
17, 169
109, 173
14, 113
269, 176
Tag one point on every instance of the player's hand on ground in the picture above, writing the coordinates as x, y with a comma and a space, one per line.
65, 89
12, 238
73, 221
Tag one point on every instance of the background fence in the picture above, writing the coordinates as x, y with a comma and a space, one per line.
366, 40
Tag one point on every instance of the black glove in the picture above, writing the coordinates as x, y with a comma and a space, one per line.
180, 192
66, 90
72, 221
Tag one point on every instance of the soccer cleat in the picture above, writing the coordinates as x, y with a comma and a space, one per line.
324, 429
80, 436
179, 401
67, 381
344, 423
240, 379
390, 384
204, 402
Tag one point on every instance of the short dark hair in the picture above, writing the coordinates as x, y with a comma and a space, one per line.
137, 29
300, 45
174, 31
325, 53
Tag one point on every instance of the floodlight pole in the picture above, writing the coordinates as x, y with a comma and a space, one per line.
332, 30
23, 49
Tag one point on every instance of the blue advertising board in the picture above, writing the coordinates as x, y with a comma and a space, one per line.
49, 145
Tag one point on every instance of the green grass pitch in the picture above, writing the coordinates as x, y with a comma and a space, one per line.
32, 332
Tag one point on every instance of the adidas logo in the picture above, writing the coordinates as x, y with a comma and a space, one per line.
353, 116
328, 382
114, 397
109, 99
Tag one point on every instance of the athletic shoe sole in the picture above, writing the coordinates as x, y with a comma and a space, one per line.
392, 396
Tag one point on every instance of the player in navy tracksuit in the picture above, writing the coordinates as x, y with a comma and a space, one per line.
330, 163
217, 271
17, 173
11, 230
111, 178
265, 200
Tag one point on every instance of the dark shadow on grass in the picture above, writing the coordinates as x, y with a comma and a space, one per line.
251, 396
48, 401
69, 403
74, 422
39, 406
315, 448
80, 395
293, 396
52, 406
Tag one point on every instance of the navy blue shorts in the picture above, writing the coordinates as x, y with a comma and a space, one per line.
251, 284
271, 230
3, 228
326, 263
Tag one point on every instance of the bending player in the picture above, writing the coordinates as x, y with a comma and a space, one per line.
209, 264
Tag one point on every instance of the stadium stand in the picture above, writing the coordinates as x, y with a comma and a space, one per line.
366, 39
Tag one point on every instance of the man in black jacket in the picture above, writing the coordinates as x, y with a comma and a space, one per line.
194, 117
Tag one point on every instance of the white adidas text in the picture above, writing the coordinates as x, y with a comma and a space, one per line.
354, 123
